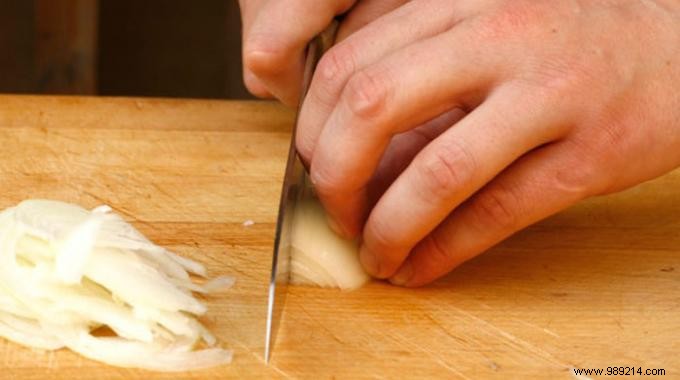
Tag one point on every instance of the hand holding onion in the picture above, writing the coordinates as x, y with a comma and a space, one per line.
442, 127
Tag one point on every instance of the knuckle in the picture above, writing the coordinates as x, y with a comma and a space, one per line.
559, 76
366, 92
334, 68
336, 65
447, 168
496, 208
262, 61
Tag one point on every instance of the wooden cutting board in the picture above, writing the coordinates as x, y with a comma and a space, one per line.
595, 286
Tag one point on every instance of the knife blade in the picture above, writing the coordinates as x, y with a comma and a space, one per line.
291, 191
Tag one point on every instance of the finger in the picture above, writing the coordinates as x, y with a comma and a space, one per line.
363, 13
544, 182
274, 46
449, 170
249, 10
363, 48
403, 148
385, 99
255, 85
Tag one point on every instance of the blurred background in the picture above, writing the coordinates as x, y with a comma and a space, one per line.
163, 48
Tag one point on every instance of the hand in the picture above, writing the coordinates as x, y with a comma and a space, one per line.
276, 33
562, 100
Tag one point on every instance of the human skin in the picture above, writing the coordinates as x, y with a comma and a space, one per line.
276, 34
442, 127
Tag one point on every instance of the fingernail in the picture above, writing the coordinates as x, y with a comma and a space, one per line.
369, 261
403, 275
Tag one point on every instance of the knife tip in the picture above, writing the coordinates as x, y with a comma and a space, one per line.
266, 355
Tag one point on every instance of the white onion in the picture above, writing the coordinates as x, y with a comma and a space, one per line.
73, 251
27, 332
66, 271
318, 255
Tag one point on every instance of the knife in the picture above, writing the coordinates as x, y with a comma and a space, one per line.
292, 189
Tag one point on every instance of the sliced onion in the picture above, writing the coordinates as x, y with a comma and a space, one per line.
126, 353
27, 332
106, 268
65, 271
74, 250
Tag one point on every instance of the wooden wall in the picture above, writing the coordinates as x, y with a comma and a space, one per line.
173, 48
17, 36
65, 43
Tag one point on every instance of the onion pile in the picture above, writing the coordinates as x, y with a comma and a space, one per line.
318, 255
67, 273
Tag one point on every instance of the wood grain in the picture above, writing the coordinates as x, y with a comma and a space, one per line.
595, 286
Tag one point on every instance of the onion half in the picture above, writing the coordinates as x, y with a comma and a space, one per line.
318, 255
